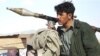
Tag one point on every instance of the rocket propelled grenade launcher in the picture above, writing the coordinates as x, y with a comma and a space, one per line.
25, 12
51, 20
98, 29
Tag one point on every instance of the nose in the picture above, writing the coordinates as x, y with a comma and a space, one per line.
58, 17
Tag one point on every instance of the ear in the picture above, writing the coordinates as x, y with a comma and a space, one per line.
70, 16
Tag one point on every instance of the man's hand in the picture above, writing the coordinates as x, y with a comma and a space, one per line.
51, 25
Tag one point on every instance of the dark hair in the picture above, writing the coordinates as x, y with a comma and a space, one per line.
67, 7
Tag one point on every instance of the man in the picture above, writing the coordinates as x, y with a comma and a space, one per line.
78, 38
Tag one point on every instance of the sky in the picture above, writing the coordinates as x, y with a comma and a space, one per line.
12, 23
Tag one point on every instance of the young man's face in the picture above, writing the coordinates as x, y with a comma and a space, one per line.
63, 18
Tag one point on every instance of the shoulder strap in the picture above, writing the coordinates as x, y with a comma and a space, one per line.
59, 30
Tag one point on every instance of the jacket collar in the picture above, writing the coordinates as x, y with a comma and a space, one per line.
76, 26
